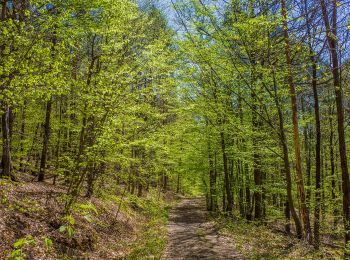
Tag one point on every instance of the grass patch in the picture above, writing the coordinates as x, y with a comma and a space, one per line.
153, 237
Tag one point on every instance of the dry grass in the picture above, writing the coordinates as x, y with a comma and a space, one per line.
270, 242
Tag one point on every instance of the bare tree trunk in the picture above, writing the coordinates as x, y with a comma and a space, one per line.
6, 144
332, 162
256, 160
307, 152
318, 132
23, 117
58, 144
283, 141
300, 182
229, 205
212, 181
318, 157
287, 214
332, 44
41, 175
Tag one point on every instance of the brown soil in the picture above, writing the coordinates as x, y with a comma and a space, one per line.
32, 208
192, 234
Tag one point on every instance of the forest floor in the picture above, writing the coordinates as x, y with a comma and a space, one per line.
124, 226
108, 226
192, 234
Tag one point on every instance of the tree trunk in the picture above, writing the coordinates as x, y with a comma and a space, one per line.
241, 188
42, 169
283, 141
332, 44
287, 214
229, 197
300, 182
307, 152
332, 162
318, 132
6, 162
256, 160
248, 199
212, 182
23, 117
318, 157
58, 144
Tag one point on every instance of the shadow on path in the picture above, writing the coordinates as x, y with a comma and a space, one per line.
192, 235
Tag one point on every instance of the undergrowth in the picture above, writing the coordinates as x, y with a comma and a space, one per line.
110, 226
264, 242
152, 239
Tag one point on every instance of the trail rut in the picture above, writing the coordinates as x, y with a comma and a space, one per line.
192, 234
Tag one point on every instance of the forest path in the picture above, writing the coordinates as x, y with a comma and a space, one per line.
192, 234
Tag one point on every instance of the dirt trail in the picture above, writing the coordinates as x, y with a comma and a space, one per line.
192, 234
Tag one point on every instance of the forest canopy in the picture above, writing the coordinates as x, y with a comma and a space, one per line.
243, 102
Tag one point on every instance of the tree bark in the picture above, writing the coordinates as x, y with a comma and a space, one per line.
229, 197
283, 141
212, 182
332, 162
23, 117
318, 156
332, 44
41, 175
256, 158
300, 182
6, 162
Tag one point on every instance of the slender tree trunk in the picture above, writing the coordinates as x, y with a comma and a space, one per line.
332, 162
318, 156
256, 162
248, 197
300, 182
287, 214
58, 144
307, 152
332, 44
90, 182
47, 126
23, 117
229, 205
77, 177
212, 182
308, 170
318, 132
241, 188
6, 144
243, 172
283, 141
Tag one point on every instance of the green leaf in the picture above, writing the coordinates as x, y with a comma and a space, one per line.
88, 217
70, 231
62, 229
48, 242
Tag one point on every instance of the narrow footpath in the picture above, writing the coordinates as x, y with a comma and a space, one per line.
192, 234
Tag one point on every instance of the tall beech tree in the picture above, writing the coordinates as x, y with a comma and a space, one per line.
293, 96
331, 32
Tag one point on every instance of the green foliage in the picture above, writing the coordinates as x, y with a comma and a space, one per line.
68, 226
109, 100
19, 248
152, 241
86, 210
48, 243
